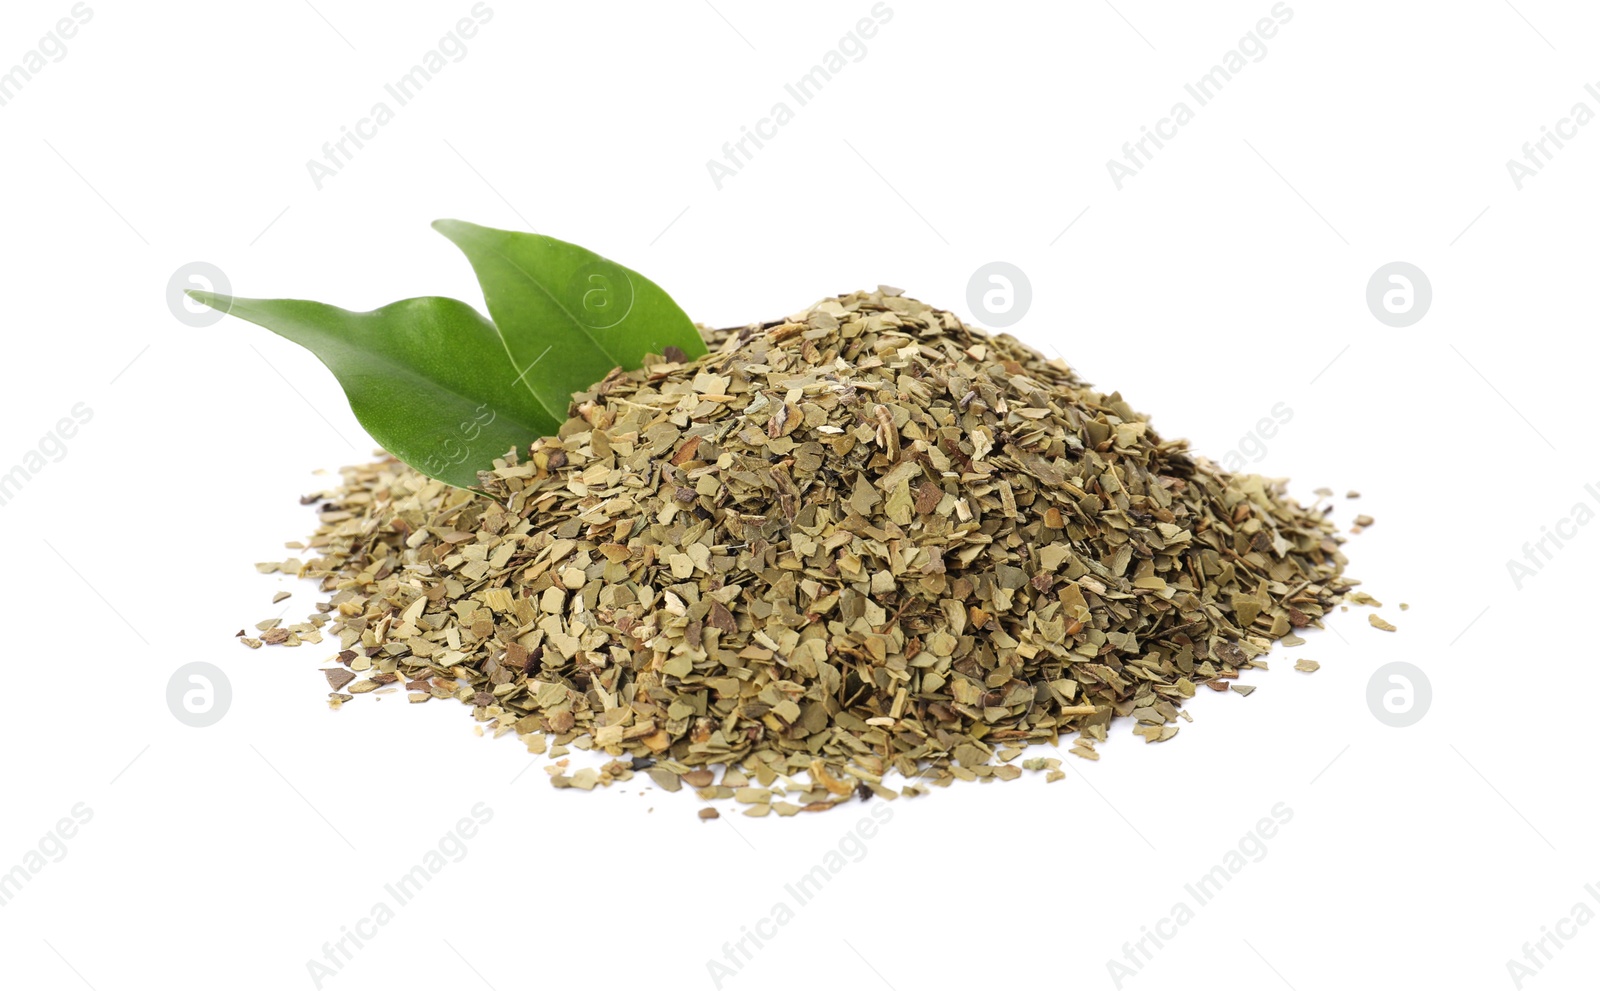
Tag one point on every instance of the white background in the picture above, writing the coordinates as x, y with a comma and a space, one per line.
1220, 281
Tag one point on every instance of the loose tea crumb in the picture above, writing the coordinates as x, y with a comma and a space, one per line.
863, 539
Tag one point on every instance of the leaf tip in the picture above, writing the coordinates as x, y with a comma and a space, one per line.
216, 301
451, 227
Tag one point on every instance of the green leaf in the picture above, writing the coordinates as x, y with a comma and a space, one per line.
568, 316
428, 378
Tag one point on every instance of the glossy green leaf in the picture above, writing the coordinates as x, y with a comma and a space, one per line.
428, 378
567, 315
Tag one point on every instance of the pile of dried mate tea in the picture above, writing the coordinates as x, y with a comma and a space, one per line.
863, 539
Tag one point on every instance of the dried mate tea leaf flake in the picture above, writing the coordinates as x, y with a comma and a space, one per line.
865, 539
338, 677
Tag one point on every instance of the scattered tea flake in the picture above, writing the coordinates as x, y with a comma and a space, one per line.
1244, 689
819, 774
1362, 521
1352, 494
280, 596
1158, 734
1306, 665
709, 813
1380, 622
338, 677
363, 686
1053, 776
